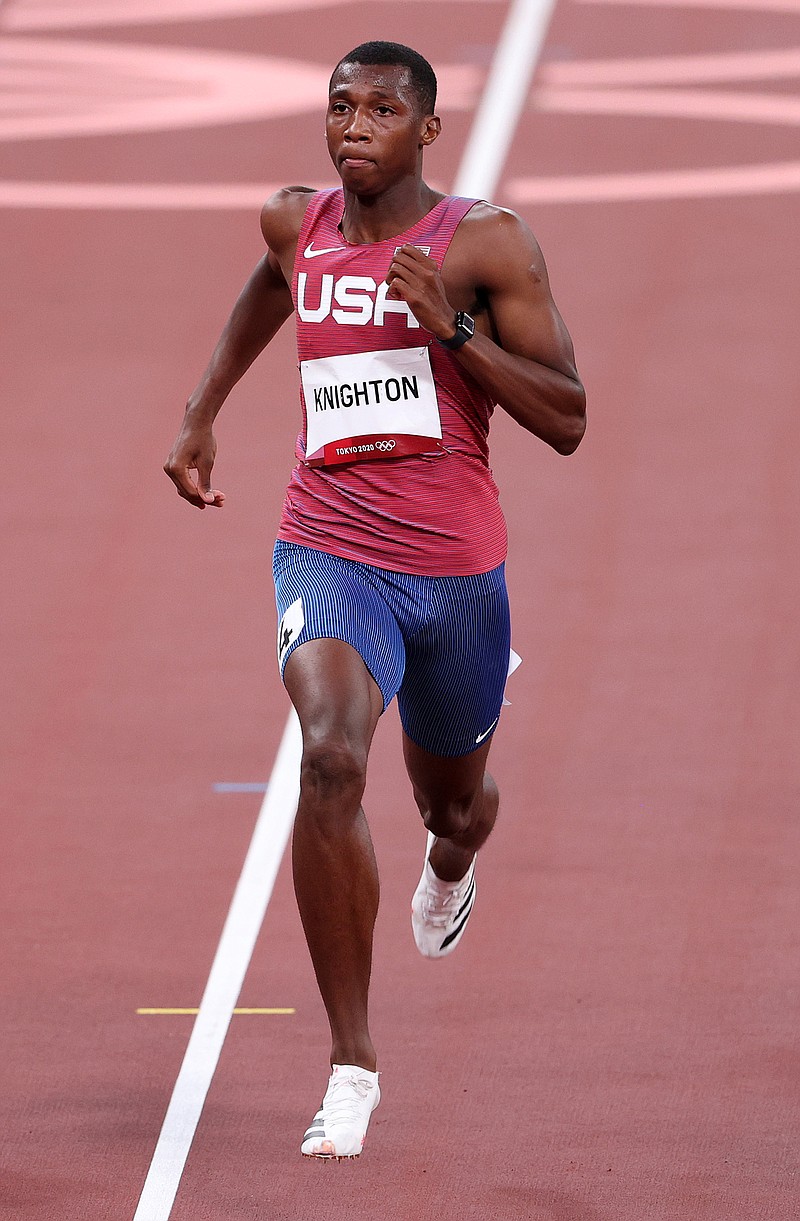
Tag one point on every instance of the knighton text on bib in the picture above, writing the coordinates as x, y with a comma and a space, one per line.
370, 405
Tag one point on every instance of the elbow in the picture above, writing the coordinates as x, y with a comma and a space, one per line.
573, 427
569, 441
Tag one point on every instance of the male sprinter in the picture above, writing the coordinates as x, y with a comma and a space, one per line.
416, 313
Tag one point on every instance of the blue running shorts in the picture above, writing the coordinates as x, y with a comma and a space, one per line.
440, 644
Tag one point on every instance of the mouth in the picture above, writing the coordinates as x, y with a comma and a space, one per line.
356, 163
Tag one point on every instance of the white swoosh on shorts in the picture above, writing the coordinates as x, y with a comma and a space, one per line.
486, 732
310, 253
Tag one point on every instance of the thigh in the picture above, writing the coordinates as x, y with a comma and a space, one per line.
456, 666
323, 597
337, 700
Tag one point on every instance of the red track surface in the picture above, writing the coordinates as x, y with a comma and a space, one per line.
617, 1038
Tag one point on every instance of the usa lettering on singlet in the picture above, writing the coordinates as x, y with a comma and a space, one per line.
393, 465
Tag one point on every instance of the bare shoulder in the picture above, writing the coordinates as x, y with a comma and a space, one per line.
282, 216
487, 219
497, 242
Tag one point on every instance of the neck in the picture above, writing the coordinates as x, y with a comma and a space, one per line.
374, 218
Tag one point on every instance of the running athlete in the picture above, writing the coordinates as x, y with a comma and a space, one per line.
416, 314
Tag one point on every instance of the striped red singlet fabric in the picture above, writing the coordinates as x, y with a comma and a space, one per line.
429, 514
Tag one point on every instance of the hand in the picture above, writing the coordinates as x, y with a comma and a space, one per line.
194, 450
413, 277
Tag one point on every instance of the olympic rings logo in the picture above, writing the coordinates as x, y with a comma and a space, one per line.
385, 446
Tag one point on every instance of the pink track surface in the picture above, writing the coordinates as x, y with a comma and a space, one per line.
616, 1040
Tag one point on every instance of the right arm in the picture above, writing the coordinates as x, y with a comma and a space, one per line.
262, 307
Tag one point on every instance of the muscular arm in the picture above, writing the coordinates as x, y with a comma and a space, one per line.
521, 354
262, 307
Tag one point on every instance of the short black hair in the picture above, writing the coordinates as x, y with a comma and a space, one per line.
423, 77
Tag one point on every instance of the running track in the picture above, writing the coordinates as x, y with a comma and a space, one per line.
617, 1038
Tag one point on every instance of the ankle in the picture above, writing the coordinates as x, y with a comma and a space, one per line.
358, 1057
449, 862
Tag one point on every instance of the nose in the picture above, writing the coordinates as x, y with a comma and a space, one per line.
358, 128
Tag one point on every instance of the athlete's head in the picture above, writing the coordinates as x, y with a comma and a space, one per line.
380, 116
421, 76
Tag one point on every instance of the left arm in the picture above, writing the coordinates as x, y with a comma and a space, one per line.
527, 364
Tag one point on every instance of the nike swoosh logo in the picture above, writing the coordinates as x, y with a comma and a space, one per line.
486, 733
310, 253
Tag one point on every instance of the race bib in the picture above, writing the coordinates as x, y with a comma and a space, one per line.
370, 405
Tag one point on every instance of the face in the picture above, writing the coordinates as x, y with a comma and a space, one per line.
374, 128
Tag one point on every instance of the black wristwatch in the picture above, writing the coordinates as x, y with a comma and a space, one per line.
465, 329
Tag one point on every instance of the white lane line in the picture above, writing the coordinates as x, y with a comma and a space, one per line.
716, 104
75, 14
277, 812
504, 97
135, 196
721, 181
754, 6
697, 69
225, 981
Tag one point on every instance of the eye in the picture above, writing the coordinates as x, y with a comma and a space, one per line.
338, 108
384, 110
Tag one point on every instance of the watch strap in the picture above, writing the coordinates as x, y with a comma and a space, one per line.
465, 329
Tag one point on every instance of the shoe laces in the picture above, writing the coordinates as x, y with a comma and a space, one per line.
344, 1098
441, 901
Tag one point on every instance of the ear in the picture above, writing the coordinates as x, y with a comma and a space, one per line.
429, 129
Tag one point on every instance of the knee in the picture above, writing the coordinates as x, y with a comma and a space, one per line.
449, 818
333, 771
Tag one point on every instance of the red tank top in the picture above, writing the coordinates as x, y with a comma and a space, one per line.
435, 513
